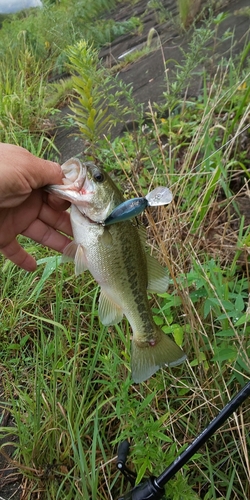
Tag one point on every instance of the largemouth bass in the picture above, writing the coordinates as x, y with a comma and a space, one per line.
116, 258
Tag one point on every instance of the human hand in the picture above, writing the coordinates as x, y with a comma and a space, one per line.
25, 208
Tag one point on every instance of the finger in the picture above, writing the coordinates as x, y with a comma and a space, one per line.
57, 220
46, 235
14, 252
57, 203
37, 172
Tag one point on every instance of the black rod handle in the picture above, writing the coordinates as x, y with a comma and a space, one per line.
122, 453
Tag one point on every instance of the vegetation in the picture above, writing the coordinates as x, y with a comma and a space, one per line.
31, 58
66, 378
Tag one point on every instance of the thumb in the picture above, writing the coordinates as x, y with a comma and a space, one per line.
26, 171
43, 172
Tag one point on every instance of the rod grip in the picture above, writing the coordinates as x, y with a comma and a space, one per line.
123, 451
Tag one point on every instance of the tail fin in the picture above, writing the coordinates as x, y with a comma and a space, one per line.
146, 360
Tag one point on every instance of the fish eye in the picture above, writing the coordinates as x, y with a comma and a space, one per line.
98, 176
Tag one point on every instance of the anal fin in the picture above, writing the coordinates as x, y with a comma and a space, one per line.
109, 312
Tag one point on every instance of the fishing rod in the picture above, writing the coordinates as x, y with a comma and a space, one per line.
153, 487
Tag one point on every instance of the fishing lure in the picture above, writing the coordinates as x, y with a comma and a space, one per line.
131, 208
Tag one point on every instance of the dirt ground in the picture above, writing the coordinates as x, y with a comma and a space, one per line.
147, 75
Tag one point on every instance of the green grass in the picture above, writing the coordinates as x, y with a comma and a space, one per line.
66, 378
33, 50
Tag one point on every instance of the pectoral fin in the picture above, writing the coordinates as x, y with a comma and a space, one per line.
69, 252
109, 312
106, 238
80, 261
75, 252
158, 279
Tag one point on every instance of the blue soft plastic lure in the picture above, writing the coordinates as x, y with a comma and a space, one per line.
131, 208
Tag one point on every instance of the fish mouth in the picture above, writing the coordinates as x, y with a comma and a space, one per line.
78, 188
74, 183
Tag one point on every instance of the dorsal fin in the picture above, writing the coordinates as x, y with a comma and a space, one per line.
158, 279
